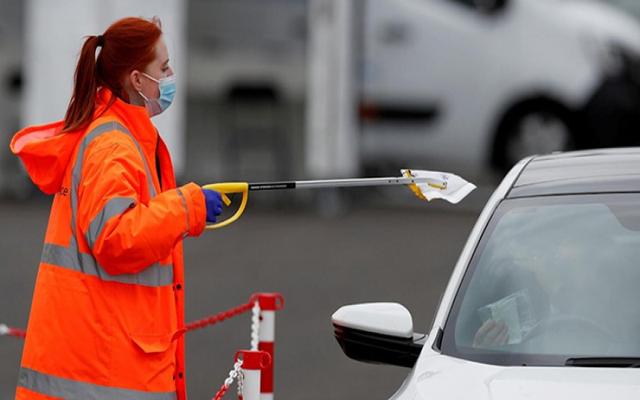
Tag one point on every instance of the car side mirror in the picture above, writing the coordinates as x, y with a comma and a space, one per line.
380, 333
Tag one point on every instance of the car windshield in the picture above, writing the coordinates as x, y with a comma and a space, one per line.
553, 278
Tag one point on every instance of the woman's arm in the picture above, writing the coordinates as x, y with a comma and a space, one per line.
124, 234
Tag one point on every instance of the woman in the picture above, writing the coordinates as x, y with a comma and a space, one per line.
107, 315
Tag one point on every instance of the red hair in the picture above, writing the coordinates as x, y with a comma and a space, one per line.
126, 45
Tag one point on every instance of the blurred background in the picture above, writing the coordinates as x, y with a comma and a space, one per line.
313, 89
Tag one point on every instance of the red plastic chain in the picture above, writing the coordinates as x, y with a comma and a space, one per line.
197, 324
222, 392
17, 332
214, 319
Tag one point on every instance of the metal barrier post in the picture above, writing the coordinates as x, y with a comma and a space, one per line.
269, 303
253, 362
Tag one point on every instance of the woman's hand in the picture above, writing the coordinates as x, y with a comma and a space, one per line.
214, 204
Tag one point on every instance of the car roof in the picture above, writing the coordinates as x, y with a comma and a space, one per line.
578, 172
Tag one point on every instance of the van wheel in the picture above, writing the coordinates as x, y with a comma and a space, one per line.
541, 129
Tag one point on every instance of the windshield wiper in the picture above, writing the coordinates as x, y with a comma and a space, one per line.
604, 362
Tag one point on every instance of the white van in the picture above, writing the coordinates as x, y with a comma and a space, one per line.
467, 84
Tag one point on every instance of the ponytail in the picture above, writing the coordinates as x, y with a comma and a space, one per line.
83, 101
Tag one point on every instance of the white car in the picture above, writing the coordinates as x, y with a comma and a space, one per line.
543, 302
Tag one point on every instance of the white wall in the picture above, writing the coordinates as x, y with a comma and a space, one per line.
55, 32
331, 148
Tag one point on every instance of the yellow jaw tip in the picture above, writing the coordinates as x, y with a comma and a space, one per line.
413, 187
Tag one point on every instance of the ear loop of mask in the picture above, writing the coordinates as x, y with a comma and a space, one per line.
153, 79
167, 92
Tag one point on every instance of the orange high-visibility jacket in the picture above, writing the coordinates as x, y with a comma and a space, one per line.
107, 315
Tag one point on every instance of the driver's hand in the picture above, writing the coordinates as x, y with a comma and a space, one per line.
491, 334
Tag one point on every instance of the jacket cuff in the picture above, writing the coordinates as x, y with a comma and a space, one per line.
196, 208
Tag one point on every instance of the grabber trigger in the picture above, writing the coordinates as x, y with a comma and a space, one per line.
224, 189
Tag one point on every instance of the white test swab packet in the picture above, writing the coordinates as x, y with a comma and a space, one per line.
446, 186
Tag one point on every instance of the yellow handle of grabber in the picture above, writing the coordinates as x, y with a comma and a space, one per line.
224, 189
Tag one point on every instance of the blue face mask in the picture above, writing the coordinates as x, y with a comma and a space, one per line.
167, 87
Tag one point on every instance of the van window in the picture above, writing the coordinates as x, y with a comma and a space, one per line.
630, 6
470, 3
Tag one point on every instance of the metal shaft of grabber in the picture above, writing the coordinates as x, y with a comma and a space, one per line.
269, 303
253, 363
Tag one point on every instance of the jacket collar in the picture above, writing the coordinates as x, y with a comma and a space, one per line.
135, 118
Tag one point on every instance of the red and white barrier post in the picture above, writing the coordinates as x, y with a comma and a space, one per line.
253, 363
269, 303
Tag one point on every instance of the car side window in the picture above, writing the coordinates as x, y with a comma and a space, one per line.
481, 5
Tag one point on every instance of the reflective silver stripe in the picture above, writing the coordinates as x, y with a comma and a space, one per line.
77, 167
186, 211
115, 206
75, 390
69, 257
97, 131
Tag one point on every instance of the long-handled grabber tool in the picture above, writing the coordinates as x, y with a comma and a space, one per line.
426, 185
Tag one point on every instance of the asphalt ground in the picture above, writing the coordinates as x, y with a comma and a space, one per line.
368, 253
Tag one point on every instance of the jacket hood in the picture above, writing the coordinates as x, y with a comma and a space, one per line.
45, 152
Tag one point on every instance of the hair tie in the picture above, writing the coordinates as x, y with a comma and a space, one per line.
100, 40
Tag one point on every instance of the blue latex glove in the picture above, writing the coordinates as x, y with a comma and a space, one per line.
214, 204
